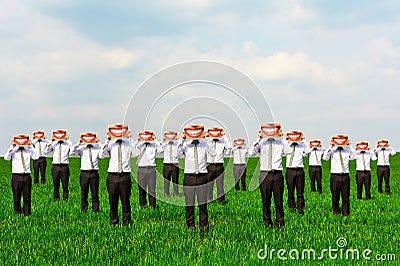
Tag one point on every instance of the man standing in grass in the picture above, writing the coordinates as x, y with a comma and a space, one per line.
340, 154
363, 168
315, 164
89, 148
382, 151
20, 153
194, 150
146, 148
240, 152
271, 149
39, 165
119, 148
61, 146
295, 151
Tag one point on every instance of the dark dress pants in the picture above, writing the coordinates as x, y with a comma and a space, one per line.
21, 185
119, 187
196, 185
271, 183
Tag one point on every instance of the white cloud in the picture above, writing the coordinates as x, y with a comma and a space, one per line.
283, 65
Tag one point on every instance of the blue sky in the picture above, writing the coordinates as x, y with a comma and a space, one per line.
325, 67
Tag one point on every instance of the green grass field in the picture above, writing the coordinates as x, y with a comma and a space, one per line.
57, 233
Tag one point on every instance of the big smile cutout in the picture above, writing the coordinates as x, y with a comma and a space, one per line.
271, 130
294, 136
362, 146
215, 132
89, 138
239, 142
59, 134
21, 140
146, 136
194, 132
341, 140
383, 144
118, 131
171, 135
38, 134
315, 144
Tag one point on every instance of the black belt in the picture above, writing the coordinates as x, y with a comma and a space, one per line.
342, 174
116, 173
295, 168
316, 166
383, 166
363, 171
272, 171
21, 174
147, 166
215, 163
89, 171
60, 164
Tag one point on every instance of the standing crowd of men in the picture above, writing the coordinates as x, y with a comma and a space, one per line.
203, 152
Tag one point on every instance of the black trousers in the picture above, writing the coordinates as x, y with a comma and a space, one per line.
295, 181
60, 172
239, 173
340, 186
216, 174
147, 185
271, 182
90, 179
196, 185
315, 173
363, 178
170, 171
119, 187
383, 172
39, 165
21, 185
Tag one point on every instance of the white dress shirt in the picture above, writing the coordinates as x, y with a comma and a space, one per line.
170, 149
39, 145
54, 146
240, 154
148, 158
300, 151
315, 156
217, 149
363, 163
110, 149
262, 147
18, 165
383, 155
333, 154
83, 151
187, 150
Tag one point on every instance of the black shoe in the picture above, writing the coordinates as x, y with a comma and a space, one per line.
97, 210
301, 213
280, 226
153, 207
191, 228
292, 209
243, 189
368, 198
387, 193
42, 182
203, 230
268, 224
319, 192
144, 206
